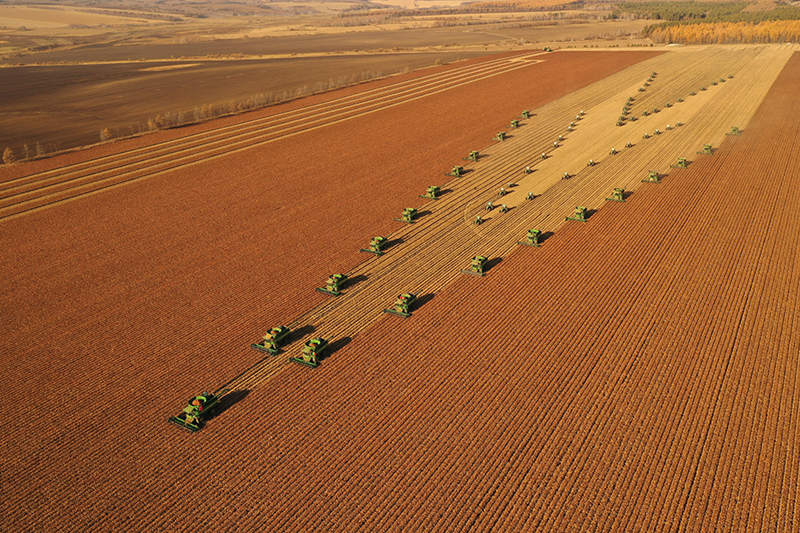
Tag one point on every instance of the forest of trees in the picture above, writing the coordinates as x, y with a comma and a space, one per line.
717, 22
777, 31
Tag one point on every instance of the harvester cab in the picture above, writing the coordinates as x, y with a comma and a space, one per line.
528, 170
312, 350
503, 208
618, 195
514, 123
333, 284
198, 409
580, 214
526, 114
376, 245
500, 136
273, 340
591, 163
402, 306
473, 155
477, 266
433, 192
613, 151
532, 238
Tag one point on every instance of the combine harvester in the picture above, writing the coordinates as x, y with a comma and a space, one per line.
402, 306
333, 284
376, 246
477, 266
533, 238
432, 193
199, 409
273, 340
312, 350
580, 214
617, 196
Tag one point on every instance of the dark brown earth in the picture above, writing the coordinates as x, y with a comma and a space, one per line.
119, 303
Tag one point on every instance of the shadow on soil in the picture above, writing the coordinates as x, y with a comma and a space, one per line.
393, 242
491, 263
334, 347
353, 281
422, 300
227, 401
299, 333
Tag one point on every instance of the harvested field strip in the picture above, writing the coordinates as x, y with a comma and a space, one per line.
442, 242
52, 187
593, 412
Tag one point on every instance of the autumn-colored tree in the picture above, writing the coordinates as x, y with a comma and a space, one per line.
9, 156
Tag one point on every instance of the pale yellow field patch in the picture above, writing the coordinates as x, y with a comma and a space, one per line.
168, 67
57, 17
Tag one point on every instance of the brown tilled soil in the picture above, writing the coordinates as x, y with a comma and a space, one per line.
120, 303
61, 107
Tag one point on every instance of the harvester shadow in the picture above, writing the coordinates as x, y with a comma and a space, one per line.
627, 194
334, 347
445, 191
393, 242
299, 333
228, 400
546, 235
421, 214
354, 280
422, 300
590, 212
491, 263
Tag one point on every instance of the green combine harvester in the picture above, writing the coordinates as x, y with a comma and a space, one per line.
707, 149
580, 214
618, 195
197, 411
402, 306
376, 246
456, 172
333, 284
514, 123
477, 266
500, 136
681, 163
273, 340
525, 114
734, 131
432, 193
311, 352
652, 177
473, 156
408, 216
533, 238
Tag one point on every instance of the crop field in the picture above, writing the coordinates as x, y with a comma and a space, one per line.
636, 372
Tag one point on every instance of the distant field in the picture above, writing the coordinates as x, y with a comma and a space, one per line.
61, 107
57, 17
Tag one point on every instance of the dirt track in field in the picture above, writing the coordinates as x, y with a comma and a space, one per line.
132, 296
